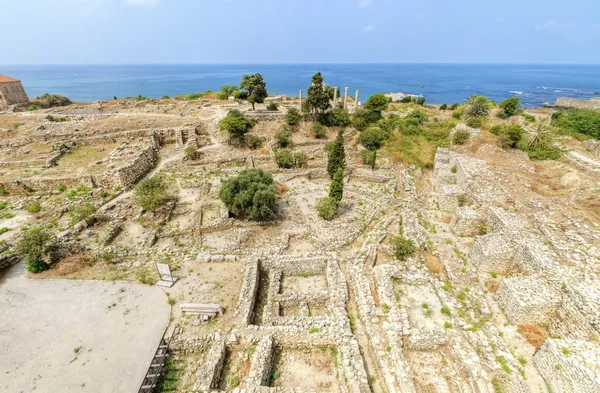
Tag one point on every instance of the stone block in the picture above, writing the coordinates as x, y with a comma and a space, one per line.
466, 221
578, 316
448, 197
492, 253
528, 300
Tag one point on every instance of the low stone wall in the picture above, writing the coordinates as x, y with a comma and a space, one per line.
569, 366
493, 253
208, 378
262, 362
245, 306
466, 221
23, 186
8, 260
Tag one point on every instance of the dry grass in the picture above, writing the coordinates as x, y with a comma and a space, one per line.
493, 285
446, 219
433, 263
533, 334
68, 266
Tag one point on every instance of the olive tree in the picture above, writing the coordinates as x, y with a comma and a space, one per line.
251, 194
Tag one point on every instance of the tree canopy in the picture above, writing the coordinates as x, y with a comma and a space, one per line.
372, 138
337, 156
377, 103
318, 99
251, 194
255, 89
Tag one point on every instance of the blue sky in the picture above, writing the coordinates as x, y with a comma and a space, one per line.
299, 31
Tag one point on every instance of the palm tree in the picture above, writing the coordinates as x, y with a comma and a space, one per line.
477, 106
541, 136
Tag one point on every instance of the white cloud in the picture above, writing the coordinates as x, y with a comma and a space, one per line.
142, 2
368, 29
365, 3
553, 24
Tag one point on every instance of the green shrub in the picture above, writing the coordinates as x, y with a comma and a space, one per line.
286, 158
293, 117
372, 138
443, 107
406, 99
61, 188
327, 207
340, 117
528, 118
460, 137
336, 188
368, 157
362, 118
419, 116
254, 142
191, 152
272, 106
34, 244
250, 194
582, 123
32, 107
83, 212
420, 101
235, 125
4, 230
454, 106
403, 248
476, 110
377, 102
56, 119
511, 106
36, 266
165, 97
445, 310
509, 135
318, 130
3, 191
283, 137
50, 100
33, 207
150, 193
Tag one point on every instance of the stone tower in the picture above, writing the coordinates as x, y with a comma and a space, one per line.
11, 92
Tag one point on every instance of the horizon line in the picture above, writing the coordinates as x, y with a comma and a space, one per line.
299, 63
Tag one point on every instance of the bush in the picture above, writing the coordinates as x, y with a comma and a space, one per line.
475, 122
251, 194
286, 158
327, 207
235, 125
318, 130
372, 138
363, 117
165, 97
511, 106
508, 135
419, 116
50, 100
578, 122
150, 193
368, 157
254, 142
403, 248
191, 152
35, 244
340, 117
36, 266
443, 107
460, 137
33, 207
283, 137
420, 101
293, 117
528, 118
272, 106
454, 106
406, 99
83, 212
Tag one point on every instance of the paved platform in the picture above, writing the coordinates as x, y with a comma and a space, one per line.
77, 336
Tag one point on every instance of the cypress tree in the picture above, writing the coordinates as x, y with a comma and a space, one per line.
337, 156
336, 188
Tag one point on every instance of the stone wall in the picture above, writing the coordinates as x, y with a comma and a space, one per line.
11, 93
260, 370
578, 316
247, 299
528, 300
23, 186
208, 378
570, 366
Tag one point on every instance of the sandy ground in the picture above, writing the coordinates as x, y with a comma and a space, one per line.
77, 336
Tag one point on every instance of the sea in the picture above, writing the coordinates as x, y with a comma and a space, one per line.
438, 83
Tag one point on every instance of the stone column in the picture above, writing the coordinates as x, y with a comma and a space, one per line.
300, 100
346, 98
356, 102
335, 97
